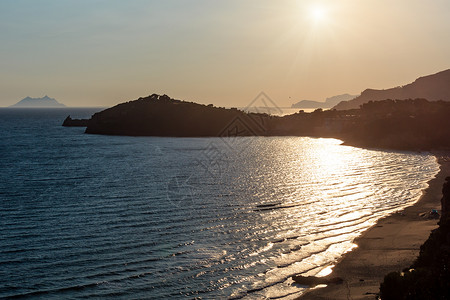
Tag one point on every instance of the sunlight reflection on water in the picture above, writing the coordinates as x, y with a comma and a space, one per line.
331, 194
97, 216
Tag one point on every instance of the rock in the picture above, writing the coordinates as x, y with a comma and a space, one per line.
313, 280
69, 122
432, 214
445, 201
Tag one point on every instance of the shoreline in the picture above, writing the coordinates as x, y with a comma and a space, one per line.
390, 245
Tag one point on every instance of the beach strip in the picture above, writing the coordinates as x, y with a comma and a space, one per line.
391, 245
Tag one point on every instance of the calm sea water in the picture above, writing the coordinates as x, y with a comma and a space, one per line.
151, 218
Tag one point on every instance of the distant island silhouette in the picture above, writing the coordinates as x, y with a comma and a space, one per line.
432, 87
44, 102
329, 102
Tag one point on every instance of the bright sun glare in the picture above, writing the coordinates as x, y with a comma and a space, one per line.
318, 13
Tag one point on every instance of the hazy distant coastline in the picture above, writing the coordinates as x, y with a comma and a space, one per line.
329, 102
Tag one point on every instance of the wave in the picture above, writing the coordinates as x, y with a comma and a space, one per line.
101, 222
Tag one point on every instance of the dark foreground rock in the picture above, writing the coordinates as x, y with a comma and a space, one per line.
313, 281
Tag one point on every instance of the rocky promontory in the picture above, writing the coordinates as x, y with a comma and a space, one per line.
412, 124
69, 122
159, 115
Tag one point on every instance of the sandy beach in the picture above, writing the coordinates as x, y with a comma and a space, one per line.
391, 245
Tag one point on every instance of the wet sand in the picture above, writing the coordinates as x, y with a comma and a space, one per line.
391, 245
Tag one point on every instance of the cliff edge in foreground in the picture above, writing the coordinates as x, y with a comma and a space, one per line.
429, 276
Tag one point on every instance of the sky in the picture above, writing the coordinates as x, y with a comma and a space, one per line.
224, 52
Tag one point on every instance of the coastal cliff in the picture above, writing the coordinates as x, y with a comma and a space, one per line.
413, 124
401, 125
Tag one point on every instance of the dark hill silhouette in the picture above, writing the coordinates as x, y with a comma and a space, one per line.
44, 102
416, 124
432, 87
390, 124
157, 115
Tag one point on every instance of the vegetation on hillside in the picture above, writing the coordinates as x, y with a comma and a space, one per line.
395, 124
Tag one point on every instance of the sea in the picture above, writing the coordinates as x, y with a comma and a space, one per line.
118, 217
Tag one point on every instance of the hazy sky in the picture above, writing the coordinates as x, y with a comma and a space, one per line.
103, 52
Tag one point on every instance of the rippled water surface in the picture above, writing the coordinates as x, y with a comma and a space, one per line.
150, 218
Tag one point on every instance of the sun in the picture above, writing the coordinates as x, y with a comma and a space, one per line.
318, 13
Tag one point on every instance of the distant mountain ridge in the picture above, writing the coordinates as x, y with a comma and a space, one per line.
44, 102
329, 102
432, 87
